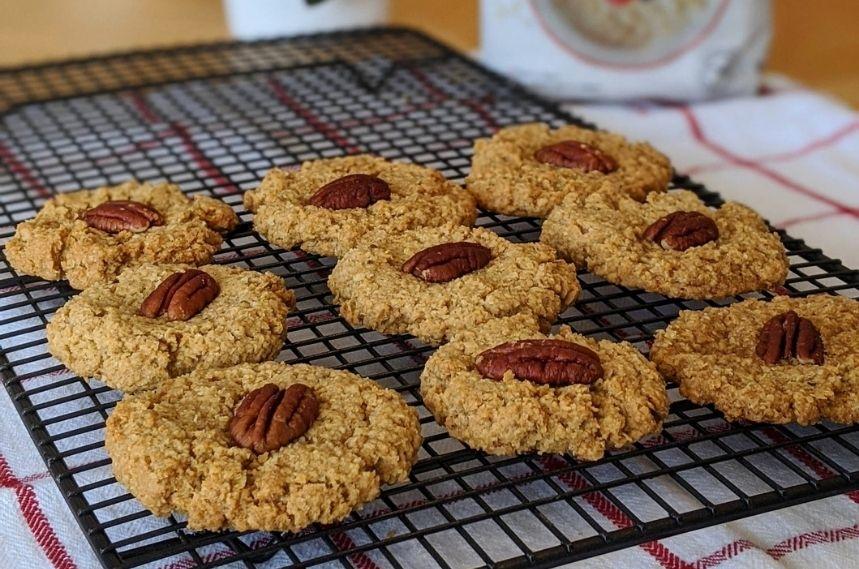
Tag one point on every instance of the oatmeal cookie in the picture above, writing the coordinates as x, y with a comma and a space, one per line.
518, 172
844, 407
173, 448
374, 290
717, 253
713, 355
291, 211
60, 242
101, 333
513, 415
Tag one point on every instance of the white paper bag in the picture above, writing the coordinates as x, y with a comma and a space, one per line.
625, 49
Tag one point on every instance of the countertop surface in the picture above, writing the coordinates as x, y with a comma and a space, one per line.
817, 47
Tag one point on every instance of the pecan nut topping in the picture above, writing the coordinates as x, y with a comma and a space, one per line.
681, 230
181, 295
545, 362
352, 191
448, 261
788, 336
575, 154
269, 417
122, 215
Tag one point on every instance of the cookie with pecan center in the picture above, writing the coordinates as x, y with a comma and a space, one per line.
90, 236
529, 169
331, 206
787, 360
155, 322
432, 282
265, 446
671, 243
505, 388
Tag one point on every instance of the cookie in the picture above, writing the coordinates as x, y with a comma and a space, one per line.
90, 236
459, 277
184, 448
529, 169
672, 244
518, 412
714, 355
101, 332
330, 206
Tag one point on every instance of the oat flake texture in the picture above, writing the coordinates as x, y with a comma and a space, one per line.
172, 449
420, 197
506, 178
603, 231
373, 291
711, 354
99, 334
58, 244
512, 416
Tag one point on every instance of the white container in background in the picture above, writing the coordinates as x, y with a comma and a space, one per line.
252, 19
625, 49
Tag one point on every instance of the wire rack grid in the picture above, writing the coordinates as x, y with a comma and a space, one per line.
214, 119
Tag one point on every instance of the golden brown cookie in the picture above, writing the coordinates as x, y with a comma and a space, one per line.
100, 333
59, 243
514, 415
844, 407
307, 208
608, 233
173, 449
489, 277
521, 171
713, 355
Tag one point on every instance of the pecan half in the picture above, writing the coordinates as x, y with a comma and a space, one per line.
269, 417
545, 362
788, 336
122, 215
448, 261
181, 295
681, 230
354, 190
575, 154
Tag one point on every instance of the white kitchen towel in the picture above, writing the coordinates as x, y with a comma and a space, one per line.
790, 153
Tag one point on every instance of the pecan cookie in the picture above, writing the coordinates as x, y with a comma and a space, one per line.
672, 243
529, 169
266, 446
432, 282
790, 359
330, 206
90, 236
156, 322
503, 387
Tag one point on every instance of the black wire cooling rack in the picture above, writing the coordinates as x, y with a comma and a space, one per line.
213, 119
